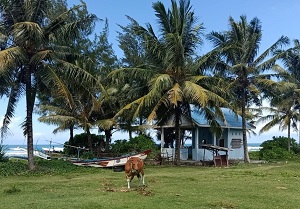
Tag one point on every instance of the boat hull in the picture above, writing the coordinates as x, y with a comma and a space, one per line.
111, 162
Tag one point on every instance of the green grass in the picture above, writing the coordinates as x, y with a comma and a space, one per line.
60, 185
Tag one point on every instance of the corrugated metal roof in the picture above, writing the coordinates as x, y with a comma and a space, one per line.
232, 120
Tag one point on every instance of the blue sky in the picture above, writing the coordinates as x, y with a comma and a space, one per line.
278, 18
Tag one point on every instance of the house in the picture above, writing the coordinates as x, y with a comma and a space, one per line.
205, 144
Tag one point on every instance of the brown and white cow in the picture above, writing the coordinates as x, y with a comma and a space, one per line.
134, 167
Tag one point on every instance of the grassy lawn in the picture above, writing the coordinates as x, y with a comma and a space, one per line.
275, 185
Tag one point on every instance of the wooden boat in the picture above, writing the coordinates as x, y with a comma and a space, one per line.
111, 162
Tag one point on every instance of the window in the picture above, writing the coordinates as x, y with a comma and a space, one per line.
236, 143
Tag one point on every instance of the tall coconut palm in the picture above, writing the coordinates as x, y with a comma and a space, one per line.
32, 49
80, 109
171, 71
134, 57
284, 111
285, 102
242, 64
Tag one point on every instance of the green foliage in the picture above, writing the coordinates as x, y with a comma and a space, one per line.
275, 153
87, 155
58, 167
255, 155
43, 167
120, 146
277, 148
281, 142
136, 144
141, 142
81, 140
13, 168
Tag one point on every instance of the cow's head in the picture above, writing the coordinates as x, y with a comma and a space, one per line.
135, 164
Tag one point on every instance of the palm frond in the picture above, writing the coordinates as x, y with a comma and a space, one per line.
175, 94
27, 33
11, 57
163, 18
62, 89
15, 94
163, 100
282, 41
123, 74
105, 124
53, 110
57, 119
274, 121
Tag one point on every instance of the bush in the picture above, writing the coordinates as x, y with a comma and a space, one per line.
141, 142
255, 155
120, 146
13, 168
136, 144
277, 148
80, 140
43, 167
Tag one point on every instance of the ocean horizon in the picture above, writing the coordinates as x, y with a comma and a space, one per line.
40, 146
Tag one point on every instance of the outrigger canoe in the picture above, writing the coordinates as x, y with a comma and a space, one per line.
111, 162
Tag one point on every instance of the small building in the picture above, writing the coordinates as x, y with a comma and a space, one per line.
205, 144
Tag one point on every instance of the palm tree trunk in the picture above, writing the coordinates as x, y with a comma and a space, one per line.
289, 137
29, 110
245, 143
89, 138
140, 123
177, 136
130, 133
71, 140
107, 138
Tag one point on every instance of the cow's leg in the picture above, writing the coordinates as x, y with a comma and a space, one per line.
129, 178
139, 178
143, 177
128, 182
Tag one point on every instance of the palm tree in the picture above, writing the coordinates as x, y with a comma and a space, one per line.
32, 49
134, 57
285, 102
284, 112
83, 106
76, 105
171, 70
241, 64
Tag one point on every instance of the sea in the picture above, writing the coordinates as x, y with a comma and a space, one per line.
254, 144
40, 146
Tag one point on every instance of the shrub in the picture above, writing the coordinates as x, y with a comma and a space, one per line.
120, 146
141, 142
275, 153
136, 144
255, 155
80, 140
277, 148
13, 168
43, 167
